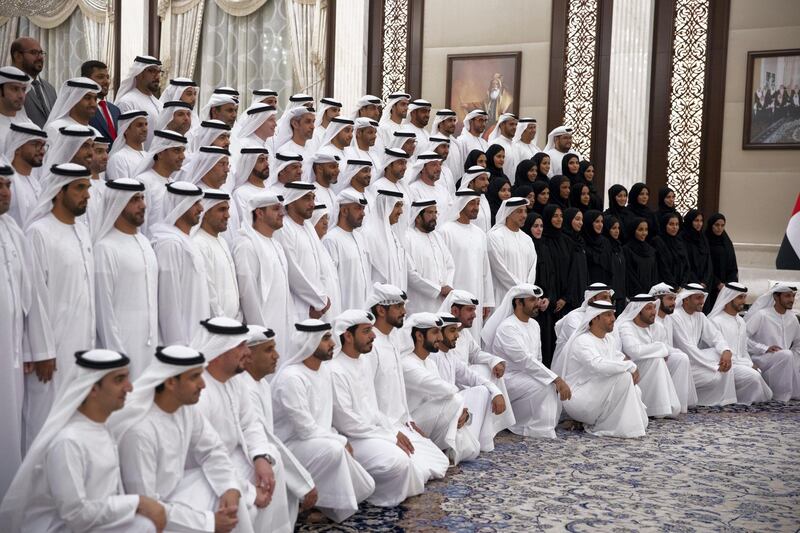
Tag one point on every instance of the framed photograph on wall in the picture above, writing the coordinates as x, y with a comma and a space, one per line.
772, 100
483, 81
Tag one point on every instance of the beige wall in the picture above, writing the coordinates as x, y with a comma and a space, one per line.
478, 26
757, 187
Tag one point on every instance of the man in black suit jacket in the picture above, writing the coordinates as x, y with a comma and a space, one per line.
107, 115
28, 56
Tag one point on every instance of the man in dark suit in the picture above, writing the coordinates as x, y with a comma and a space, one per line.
107, 115
28, 56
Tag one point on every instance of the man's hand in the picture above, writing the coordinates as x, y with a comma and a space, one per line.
773, 349
486, 312
349, 449
543, 303
44, 369
154, 511
498, 404
499, 369
560, 303
265, 482
404, 443
725, 361
635, 376
444, 291
309, 500
463, 418
229, 500
415, 427
313, 313
562, 389
225, 520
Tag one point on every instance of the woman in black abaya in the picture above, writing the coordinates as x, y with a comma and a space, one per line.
723, 257
577, 273
598, 249
638, 197
612, 230
641, 269
546, 277
673, 262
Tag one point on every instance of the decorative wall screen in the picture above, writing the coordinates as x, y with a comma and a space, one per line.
395, 39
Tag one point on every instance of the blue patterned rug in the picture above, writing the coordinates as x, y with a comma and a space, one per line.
716, 469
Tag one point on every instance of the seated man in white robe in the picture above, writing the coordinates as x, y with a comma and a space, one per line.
567, 325
774, 335
481, 397
709, 352
431, 257
300, 491
160, 429
434, 403
512, 254
535, 391
387, 454
605, 397
387, 304
750, 386
638, 333
70, 478
227, 407
303, 399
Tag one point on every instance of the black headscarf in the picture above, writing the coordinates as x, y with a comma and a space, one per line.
494, 171
472, 159
578, 272
521, 175
640, 248
555, 195
559, 250
532, 217
598, 250
573, 178
618, 281
723, 255
642, 211
594, 200
575, 197
538, 188
663, 209
673, 261
522, 191
641, 268
492, 194
621, 212
541, 175
566, 228
547, 279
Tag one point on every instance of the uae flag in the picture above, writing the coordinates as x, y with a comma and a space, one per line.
789, 254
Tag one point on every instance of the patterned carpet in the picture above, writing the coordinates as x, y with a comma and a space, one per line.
717, 469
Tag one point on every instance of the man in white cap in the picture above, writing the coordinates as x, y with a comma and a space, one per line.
441, 146
254, 127
324, 175
126, 275
159, 167
70, 479
251, 171
285, 168
604, 397
405, 141
430, 257
76, 105
137, 92
444, 125
559, 144
303, 399
636, 332
262, 269
14, 85
210, 133
183, 298
327, 110
385, 452
264, 96
469, 249
484, 401
169, 451
424, 180
387, 254
433, 402
70, 144
476, 178
299, 131
64, 264
208, 168
512, 255
365, 133
524, 143
223, 105
394, 111
567, 325
291, 477
392, 169
387, 305
369, 107
710, 366
355, 178
503, 136
223, 289
534, 390
349, 252
471, 137
417, 118
183, 90
750, 386
338, 136
24, 331
227, 407
128, 150
175, 116
774, 336
25, 146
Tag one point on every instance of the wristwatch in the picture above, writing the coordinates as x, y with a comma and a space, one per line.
267, 457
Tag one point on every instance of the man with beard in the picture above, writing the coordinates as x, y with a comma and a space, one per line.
363, 147
27, 55
128, 150
107, 114
394, 111
471, 137
325, 170
431, 257
76, 105
137, 92
444, 125
14, 85
419, 114
476, 178
503, 136
251, 172
25, 147
424, 179
559, 144
512, 254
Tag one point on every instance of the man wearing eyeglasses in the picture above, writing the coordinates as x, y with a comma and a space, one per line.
28, 56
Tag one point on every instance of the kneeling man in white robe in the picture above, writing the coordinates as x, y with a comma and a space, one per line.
70, 478
303, 396
750, 386
387, 454
605, 397
536, 392
637, 331
434, 403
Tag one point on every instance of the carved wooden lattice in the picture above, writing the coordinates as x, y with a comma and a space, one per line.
580, 63
690, 40
395, 40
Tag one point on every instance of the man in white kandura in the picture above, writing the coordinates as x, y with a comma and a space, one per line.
708, 351
70, 479
605, 397
387, 454
512, 254
637, 332
303, 399
750, 386
774, 335
534, 390
160, 431
433, 402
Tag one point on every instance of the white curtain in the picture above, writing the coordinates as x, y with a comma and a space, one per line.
307, 28
245, 52
181, 24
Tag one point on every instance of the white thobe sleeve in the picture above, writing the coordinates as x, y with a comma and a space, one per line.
209, 452
247, 272
214, 299
589, 357
711, 335
301, 286
753, 326
105, 277
420, 381
416, 280
636, 347
292, 400
478, 356
685, 344
508, 341
488, 284
332, 246
170, 293
38, 332
465, 377
64, 468
254, 435
346, 417
498, 266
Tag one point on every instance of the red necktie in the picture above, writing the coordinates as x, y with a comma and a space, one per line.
111, 129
